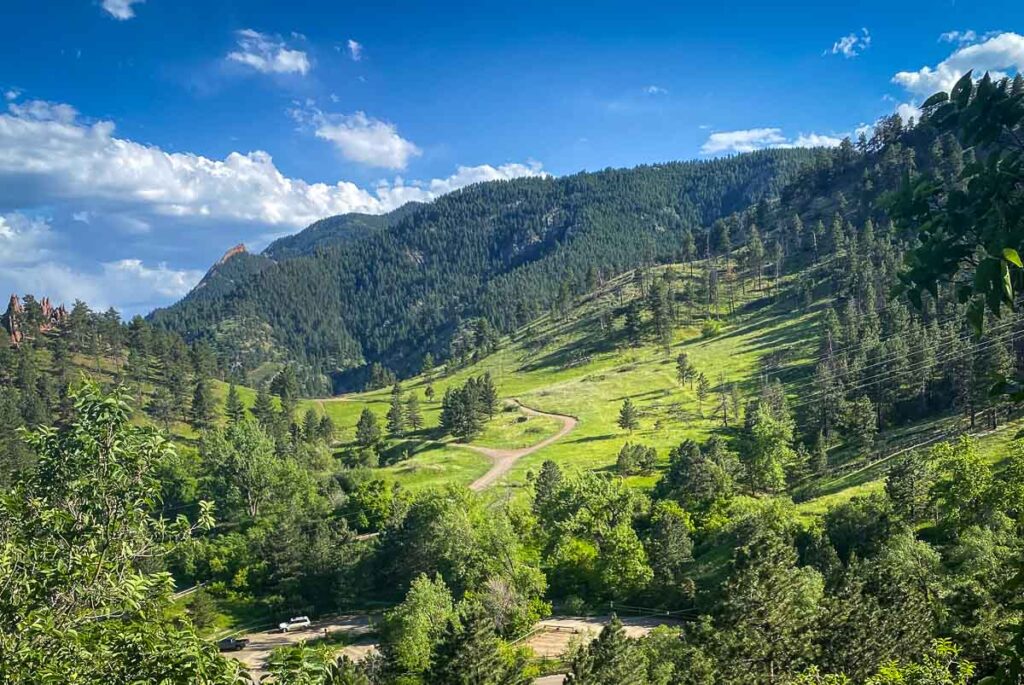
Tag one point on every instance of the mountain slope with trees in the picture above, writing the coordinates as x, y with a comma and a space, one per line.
494, 255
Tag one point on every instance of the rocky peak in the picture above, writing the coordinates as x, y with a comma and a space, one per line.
236, 250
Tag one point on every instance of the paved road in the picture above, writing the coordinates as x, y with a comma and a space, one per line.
504, 459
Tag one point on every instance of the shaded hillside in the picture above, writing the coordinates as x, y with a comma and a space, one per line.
502, 251
335, 230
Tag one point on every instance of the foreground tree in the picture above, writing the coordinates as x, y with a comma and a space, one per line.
79, 602
611, 658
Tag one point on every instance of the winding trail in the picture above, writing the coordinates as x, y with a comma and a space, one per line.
502, 460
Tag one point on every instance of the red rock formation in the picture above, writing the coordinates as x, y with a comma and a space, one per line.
13, 319
237, 249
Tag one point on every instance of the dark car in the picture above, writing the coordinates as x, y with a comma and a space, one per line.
232, 644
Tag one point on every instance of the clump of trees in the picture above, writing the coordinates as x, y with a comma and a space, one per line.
635, 458
465, 408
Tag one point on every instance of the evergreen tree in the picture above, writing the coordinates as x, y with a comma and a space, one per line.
546, 487
263, 410
755, 252
286, 386
203, 405
233, 408
161, 406
412, 412
703, 390
367, 430
310, 425
326, 429
488, 395
770, 610
633, 325
396, 413
684, 369
611, 658
689, 248
629, 418
469, 653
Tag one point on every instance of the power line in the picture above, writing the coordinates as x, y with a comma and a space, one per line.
955, 354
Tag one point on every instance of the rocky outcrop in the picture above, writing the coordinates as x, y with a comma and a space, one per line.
237, 249
20, 323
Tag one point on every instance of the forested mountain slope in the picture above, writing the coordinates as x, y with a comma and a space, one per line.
501, 251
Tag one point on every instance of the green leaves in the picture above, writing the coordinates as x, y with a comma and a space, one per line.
970, 231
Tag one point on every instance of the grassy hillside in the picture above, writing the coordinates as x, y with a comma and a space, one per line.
532, 366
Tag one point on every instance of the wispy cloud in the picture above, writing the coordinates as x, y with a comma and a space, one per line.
748, 140
851, 45
355, 50
121, 9
268, 54
656, 90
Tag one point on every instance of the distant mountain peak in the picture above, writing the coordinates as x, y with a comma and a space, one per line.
236, 250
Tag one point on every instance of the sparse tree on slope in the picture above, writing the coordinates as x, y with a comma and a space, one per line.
629, 418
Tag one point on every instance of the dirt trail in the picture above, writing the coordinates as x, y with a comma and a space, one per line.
504, 459
261, 644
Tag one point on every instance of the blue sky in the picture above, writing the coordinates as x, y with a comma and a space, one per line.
139, 140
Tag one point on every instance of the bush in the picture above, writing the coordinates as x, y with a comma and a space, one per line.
711, 328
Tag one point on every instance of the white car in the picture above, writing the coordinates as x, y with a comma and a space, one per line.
297, 623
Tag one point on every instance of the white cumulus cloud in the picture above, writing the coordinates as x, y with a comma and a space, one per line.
31, 260
268, 54
360, 138
656, 90
121, 9
748, 140
1001, 55
851, 45
23, 239
127, 224
48, 154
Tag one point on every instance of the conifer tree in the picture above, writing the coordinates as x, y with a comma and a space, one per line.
367, 430
755, 252
689, 248
233, 408
684, 369
633, 325
203, 405
629, 419
546, 487
469, 653
703, 390
263, 410
611, 658
488, 395
412, 412
396, 413
310, 425
161, 406
325, 431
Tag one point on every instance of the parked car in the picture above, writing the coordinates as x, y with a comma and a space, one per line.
297, 623
232, 644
